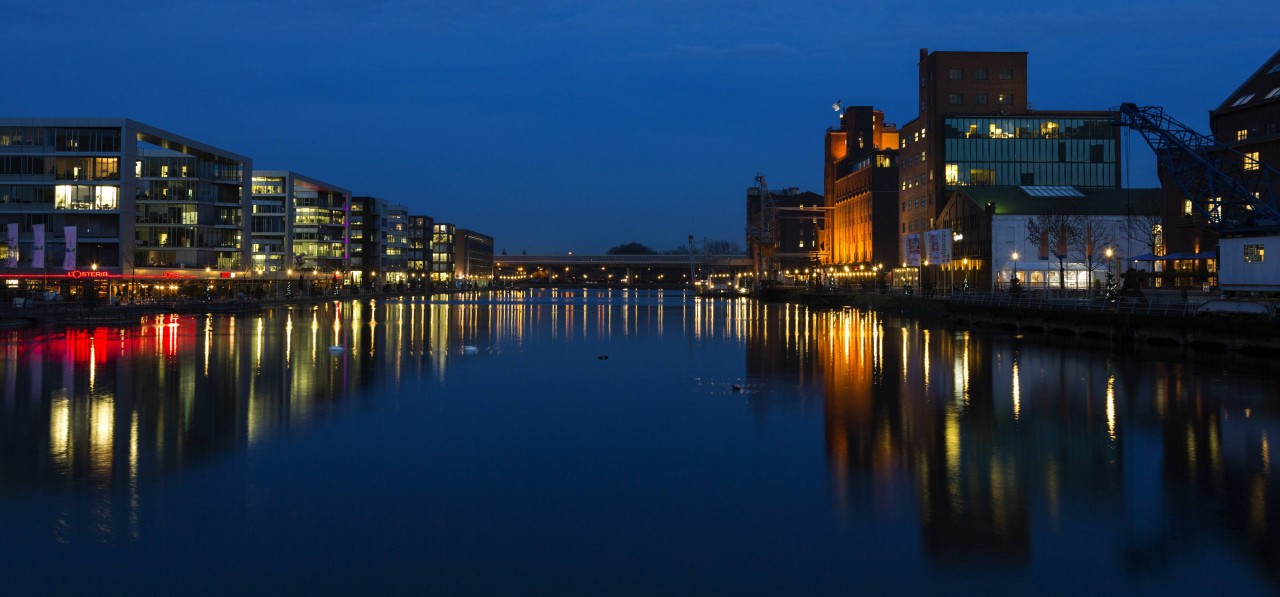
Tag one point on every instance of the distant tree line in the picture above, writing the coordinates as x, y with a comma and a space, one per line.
708, 247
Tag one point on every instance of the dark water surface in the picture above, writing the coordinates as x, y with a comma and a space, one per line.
485, 446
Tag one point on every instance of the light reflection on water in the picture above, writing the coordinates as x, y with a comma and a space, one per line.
988, 454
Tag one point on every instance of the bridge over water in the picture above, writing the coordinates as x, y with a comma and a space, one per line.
656, 270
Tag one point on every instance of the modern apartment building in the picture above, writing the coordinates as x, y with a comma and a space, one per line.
418, 259
442, 255
298, 222
395, 252
473, 255
138, 200
460, 258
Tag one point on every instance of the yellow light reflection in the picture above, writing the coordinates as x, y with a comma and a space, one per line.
60, 430
102, 425
1017, 392
1111, 406
951, 433
208, 342
257, 345
924, 352
133, 476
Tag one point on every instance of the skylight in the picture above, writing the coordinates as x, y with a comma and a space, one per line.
1274, 92
1046, 191
1243, 100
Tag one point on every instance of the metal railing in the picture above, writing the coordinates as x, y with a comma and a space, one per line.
1048, 302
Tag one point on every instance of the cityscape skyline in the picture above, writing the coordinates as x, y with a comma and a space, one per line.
537, 123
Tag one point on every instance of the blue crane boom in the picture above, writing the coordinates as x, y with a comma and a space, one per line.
1234, 193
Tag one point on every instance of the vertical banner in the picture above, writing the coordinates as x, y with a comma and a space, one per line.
911, 250
938, 244
69, 258
12, 261
37, 246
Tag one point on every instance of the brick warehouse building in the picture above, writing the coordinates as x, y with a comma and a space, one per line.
860, 182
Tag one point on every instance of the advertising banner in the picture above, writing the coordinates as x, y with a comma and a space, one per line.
37, 246
69, 258
911, 250
12, 261
938, 243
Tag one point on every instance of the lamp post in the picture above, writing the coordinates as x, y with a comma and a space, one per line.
955, 238
1015, 268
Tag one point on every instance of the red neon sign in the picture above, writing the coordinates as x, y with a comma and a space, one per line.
79, 274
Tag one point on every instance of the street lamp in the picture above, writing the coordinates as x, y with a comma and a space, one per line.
1015, 267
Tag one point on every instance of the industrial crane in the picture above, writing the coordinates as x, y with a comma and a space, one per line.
1236, 194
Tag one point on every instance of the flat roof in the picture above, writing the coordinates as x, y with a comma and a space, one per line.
1085, 201
304, 178
147, 133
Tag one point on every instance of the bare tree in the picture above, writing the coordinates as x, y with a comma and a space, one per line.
1055, 234
1143, 222
1096, 236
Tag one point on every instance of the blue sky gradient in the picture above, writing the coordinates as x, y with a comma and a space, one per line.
574, 126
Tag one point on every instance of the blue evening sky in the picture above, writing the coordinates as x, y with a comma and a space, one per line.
561, 125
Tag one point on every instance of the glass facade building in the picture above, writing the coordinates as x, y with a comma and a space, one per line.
1031, 151
442, 257
299, 222
138, 197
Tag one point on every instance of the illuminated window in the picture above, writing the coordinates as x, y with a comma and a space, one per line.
953, 174
956, 99
1254, 254
1242, 134
923, 132
955, 74
1251, 160
1186, 207
1244, 99
1006, 74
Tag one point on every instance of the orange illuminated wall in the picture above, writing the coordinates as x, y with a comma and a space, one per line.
860, 161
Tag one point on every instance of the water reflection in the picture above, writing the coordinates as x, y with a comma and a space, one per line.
1013, 441
988, 451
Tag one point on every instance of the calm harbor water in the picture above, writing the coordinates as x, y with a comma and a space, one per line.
625, 442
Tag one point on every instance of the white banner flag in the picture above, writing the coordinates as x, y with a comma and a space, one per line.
911, 250
939, 246
69, 258
37, 246
13, 246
